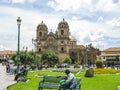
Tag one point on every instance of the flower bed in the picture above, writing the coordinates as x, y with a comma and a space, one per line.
105, 71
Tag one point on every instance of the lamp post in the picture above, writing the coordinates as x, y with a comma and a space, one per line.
18, 50
35, 44
25, 56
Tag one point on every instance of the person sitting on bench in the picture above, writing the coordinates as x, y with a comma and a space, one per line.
21, 73
70, 81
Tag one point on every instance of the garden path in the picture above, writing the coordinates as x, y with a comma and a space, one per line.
5, 78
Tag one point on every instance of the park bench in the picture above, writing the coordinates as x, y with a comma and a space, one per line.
53, 82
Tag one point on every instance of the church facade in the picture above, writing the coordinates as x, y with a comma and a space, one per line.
61, 42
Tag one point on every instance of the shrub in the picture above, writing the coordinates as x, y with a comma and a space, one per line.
67, 60
89, 72
99, 64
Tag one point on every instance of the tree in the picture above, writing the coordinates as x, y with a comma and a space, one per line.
49, 57
26, 57
67, 60
99, 63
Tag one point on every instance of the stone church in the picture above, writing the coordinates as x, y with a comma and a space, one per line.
61, 42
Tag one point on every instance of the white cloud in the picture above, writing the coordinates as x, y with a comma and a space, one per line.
30, 20
23, 1
65, 5
106, 5
85, 30
74, 18
18, 1
93, 32
100, 19
31, 1
114, 22
76, 5
2, 47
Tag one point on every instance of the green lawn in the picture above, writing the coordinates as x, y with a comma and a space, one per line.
98, 82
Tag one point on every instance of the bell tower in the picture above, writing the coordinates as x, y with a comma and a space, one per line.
42, 31
41, 35
63, 29
63, 37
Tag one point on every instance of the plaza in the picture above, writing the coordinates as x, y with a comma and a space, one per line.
5, 78
46, 37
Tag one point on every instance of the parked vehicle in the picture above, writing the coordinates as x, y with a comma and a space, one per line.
10, 61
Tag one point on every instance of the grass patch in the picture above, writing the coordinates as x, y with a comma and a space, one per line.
98, 82
101, 82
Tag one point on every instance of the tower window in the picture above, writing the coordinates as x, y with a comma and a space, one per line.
62, 49
39, 50
40, 33
62, 26
62, 42
62, 32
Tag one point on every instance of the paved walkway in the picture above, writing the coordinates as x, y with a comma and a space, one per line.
5, 79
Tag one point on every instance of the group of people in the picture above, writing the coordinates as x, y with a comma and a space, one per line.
9, 68
16, 70
12, 68
70, 81
20, 72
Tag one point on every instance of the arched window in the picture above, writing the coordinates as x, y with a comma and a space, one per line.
72, 53
40, 34
62, 49
62, 26
62, 42
39, 50
62, 32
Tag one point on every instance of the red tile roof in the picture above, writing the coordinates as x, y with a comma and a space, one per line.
80, 47
112, 49
6, 52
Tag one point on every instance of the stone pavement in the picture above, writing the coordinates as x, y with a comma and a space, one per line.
5, 78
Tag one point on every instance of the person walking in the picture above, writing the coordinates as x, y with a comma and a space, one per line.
7, 67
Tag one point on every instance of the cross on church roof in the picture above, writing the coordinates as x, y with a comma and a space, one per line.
63, 19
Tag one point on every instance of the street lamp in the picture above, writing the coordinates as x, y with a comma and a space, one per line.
18, 51
35, 42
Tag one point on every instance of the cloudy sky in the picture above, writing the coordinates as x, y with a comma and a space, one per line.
90, 21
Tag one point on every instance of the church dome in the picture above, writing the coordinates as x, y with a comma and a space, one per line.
63, 24
42, 26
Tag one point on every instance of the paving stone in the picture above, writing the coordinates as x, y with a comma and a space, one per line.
5, 78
